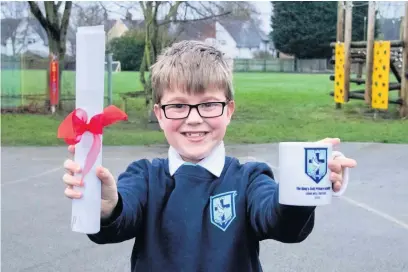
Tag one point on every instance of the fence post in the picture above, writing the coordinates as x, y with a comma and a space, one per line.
403, 93
110, 78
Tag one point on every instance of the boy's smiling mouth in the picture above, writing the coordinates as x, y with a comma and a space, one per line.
194, 135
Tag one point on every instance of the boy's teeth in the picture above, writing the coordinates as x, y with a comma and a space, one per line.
195, 134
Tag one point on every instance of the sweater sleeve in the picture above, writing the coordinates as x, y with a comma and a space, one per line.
127, 218
270, 219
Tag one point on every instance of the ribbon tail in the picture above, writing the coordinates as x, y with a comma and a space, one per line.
66, 130
113, 114
92, 155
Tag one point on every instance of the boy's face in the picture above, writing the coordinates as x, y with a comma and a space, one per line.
194, 137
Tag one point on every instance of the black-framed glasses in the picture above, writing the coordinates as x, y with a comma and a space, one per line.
205, 110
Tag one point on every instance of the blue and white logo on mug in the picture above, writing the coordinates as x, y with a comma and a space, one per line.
316, 163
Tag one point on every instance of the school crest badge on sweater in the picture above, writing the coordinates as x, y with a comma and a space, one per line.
222, 209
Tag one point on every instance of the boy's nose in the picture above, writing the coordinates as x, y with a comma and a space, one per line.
194, 117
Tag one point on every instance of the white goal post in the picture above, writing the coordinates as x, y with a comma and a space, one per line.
116, 67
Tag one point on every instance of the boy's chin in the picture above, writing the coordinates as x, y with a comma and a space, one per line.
195, 155
195, 152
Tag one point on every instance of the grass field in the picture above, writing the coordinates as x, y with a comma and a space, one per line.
35, 82
271, 107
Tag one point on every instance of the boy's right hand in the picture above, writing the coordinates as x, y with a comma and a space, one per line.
109, 192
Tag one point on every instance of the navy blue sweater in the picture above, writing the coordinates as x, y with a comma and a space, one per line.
195, 221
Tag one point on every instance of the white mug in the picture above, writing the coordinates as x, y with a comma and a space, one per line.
304, 175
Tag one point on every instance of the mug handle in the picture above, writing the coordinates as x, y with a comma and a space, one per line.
336, 154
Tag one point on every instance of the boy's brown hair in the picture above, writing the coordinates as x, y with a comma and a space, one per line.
192, 67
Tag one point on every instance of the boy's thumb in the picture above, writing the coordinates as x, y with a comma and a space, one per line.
105, 176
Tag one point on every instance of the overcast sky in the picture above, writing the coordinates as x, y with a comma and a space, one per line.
387, 9
265, 10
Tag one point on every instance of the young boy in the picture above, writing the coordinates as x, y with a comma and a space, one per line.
198, 209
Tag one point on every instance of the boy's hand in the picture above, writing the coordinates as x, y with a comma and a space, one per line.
337, 165
109, 196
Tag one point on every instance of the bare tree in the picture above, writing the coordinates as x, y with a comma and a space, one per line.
9, 30
175, 12
159, 16
56, 25
242, 10
13, 9
12, 25
85, 14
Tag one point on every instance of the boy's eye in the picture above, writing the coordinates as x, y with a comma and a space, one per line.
177, 106
209, 105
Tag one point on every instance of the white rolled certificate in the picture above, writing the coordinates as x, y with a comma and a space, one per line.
90, 74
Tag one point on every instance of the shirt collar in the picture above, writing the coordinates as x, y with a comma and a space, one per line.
214, 163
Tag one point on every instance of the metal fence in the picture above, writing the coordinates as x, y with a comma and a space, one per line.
283, 65
24, 81
24, 84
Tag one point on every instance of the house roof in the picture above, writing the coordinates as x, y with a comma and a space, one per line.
139, 24
37, 27
198, 30
8, 26
108, 24
245, 33
7, 29
134, 24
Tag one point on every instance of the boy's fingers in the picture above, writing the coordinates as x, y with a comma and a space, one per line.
335, 166
338, 163
334, 177
350, 163
71, 193
71, 180
336, 186
333, 141
71, 166
71, 149
105, 176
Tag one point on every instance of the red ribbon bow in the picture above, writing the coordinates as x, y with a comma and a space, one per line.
75, 125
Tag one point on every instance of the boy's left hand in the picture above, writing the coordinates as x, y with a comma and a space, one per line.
337, 165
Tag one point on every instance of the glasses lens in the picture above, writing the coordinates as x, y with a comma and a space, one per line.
211, 109
180, 111
177, 111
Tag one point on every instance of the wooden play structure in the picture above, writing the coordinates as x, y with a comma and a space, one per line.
381, 58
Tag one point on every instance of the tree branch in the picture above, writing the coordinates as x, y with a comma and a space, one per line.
38, 14
107, 9
156, 8
51, 16
172, 12
195, 20
208, 9
188, 5
58, 5
55, 7
46, 24
65, 22
66, 16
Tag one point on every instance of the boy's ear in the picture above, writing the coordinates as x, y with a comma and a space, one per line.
230, 109
158, 113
